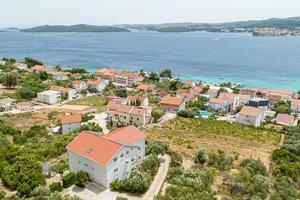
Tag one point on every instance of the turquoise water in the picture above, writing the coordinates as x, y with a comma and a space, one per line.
269, 62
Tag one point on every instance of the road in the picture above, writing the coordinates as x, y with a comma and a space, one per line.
159, 178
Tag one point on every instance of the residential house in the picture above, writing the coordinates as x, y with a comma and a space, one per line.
250, 92
58, 75
70, 122
122, 114
38, 68
76, 75
7, 104
49, 97
250, 116
197, 89
20, 66
145, 87
244, 99
65, 92
295, 105
285, 119
188, 97
218, 105
232, 100
189, 84
2, 62
107, 157
99, 84
79, 86
172, 104
213, 92
276, 96
138, 101
260, 103
107, 74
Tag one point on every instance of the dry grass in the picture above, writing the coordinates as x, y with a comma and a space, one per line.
96, 101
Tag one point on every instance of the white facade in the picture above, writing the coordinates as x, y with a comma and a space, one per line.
71, 94
173, 108
7, 104
79, 87
295, 108
119, 167
66, 128
250, 120
49, 97
101, 86
59, 76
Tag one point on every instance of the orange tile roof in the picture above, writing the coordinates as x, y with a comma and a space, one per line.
186, 95
295, 102
282, 92
60, 88
227, 95
77, 82
95, 148
285, 118
250, 111
173, 101
138, 111
126, 135
198, 88
76, 75
216, 101
261, 91
107, 72
143, 86
95, 82
68, 119
135, 98
211, 90
38, 68
243, 96
67, 73
113, 106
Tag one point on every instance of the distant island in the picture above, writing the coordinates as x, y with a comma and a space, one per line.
269, 27
75, 28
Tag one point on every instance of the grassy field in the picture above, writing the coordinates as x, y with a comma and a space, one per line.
96, 101
188, 135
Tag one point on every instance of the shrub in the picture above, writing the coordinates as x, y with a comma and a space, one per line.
200, 157
254, 166
115, 185
176, 159
56, 186
69, 180
220, 160
81, 178
157, 148
150, 165
186, 114
121, 198
40, 191
157, 113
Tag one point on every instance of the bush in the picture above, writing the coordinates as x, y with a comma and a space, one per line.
69, 180
150, 165
200, 157
115, 185
254, 166
157, 148
186, 114
121, 198
56, 186
157, 113
40, 191
220, 160
176, 159
81, 178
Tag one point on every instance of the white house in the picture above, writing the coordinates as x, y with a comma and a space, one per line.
218, 105
58, 75
65, 92
250, 116
295, 105
188, 97
172, 104
49, 97
79, 85
131, 100
232, 100
7, 104
107, 157
20, 66
70, 122
244, 99
99, 85
213, 92
2, 62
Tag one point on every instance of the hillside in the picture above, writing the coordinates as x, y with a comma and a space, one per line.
75, 28
287, 23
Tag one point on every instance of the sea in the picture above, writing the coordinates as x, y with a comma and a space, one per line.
264, 62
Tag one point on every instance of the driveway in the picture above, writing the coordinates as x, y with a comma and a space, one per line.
100, 119
96, 192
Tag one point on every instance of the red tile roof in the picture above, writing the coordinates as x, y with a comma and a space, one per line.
95, 82
212, 90
107, 72
144, 86
250, 111
216, 101
198, 88
96, 148
186, 95
173, 101
76, 75
227, 95
295, 102
77, 82
126, 135
60, 88
68, 119
113, 106
285, 118
38, 68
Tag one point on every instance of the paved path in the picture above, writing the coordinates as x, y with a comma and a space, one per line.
159, 179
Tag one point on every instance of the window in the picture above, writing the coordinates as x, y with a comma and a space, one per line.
115, 170
127, 152
115, 159
137, 119
79, 161
86, 164
122, 155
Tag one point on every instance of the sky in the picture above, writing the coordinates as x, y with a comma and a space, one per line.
26, 13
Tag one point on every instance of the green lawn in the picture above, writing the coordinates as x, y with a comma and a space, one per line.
96, 101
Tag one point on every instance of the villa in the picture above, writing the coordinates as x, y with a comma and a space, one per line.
79, 86
213, 92
65, 92
172, 104
295, 105
20, 66
188, 97
49, 97
143, 101
99, 85
70, 122
218, 105
107, 157
145, 87
250, 116
231, 99
285, 120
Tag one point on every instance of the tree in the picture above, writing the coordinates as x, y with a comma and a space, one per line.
56, 186
43, 75
186, 114
176, 159
259, 187
69, 180
220, 160
200, 157
285, 190
150, 165
10, 80
153, 76
166, 73
254, 166
32, 62
157, 148
121, 92
157, 113
283, 107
